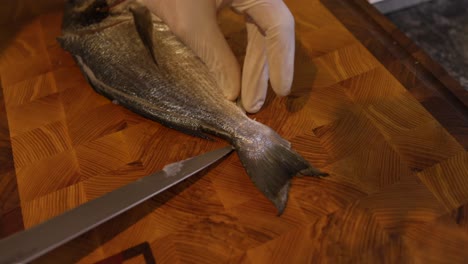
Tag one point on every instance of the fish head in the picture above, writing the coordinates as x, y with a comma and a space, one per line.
88, 13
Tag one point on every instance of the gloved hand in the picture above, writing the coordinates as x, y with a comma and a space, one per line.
270, 48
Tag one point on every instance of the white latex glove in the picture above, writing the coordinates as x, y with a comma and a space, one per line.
270, 48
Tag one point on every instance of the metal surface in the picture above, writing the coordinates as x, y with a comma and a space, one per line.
38, 240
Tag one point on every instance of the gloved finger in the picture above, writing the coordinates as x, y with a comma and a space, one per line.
194, 22
255, 72
277, 23
220, 4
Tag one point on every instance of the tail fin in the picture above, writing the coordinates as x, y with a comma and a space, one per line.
271, 163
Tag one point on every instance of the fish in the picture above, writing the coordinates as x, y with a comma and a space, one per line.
131, 57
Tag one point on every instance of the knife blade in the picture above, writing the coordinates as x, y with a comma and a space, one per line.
34, 242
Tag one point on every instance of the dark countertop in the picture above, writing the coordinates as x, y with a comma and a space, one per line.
440, 27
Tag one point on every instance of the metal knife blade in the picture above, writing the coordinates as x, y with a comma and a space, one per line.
38, 240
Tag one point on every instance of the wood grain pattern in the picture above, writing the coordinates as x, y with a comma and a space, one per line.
391, 133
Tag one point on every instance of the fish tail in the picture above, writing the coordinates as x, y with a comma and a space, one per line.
271, 163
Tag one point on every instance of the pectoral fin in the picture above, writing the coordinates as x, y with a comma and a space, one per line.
144, 26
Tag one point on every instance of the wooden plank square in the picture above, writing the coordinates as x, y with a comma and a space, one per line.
267, 224
387, 115
47, 175
143, 139
293, 247
35, 114
312, 15
52, 204
50, 30
233, 185
70, 77
321, 75
351, 133
21, 69
342, 64
195, 196
101, 184
403, 205
132, 228
336, 35
29, 90
186, 203
310, 148
27, 43
95, 123
457, 218
361, 154
40, 143
165, 250
448, 180
324, 106
425, 146
213, 240
435, 243
84, 249
102, 155
60, 58
341, 238
319, 197
77, 96
374, 86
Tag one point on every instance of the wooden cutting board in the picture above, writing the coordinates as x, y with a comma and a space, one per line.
367, 106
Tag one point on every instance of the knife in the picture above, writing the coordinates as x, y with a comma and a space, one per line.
40, 239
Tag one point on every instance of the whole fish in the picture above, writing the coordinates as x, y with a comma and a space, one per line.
130, 56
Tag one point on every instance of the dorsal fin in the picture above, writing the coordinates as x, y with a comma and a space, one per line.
144, 26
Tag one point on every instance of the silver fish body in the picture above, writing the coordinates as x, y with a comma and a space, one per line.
151, 72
